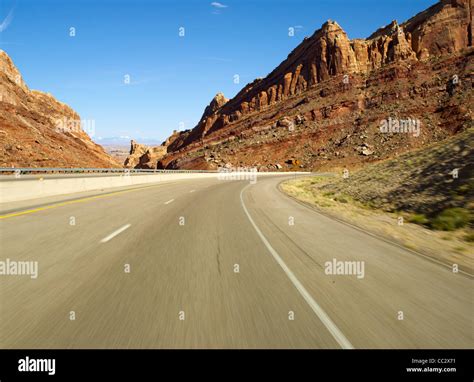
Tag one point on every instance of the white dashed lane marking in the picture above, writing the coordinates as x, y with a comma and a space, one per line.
115, 233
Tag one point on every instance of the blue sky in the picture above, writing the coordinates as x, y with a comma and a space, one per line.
172, 78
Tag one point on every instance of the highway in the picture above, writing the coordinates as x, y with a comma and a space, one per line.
217, 264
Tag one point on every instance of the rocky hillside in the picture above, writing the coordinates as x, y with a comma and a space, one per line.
142, 156
149, 157
426, 181
36, 130
324, 105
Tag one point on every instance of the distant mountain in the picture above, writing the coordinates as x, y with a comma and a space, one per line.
36, 130
323, 105
124, 141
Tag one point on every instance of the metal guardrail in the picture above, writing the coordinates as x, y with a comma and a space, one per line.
59, 170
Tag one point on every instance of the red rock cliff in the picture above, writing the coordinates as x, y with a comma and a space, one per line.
444, 28
36, 130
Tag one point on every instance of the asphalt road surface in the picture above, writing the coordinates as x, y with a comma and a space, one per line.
218, 264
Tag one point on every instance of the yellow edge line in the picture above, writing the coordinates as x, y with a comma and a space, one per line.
25, 212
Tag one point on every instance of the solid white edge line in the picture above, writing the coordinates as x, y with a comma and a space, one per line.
169, 201
115, 233
325, 319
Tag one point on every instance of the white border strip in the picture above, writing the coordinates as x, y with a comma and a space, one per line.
325, 319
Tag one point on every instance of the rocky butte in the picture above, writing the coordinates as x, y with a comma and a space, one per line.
322, 107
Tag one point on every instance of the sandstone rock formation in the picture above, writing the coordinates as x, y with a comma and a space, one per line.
36, 130
142, 156
335, 90
210, 119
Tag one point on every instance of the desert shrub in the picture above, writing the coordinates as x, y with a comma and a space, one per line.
464, 189
451, 219
341, 199
420, 219
469, 237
